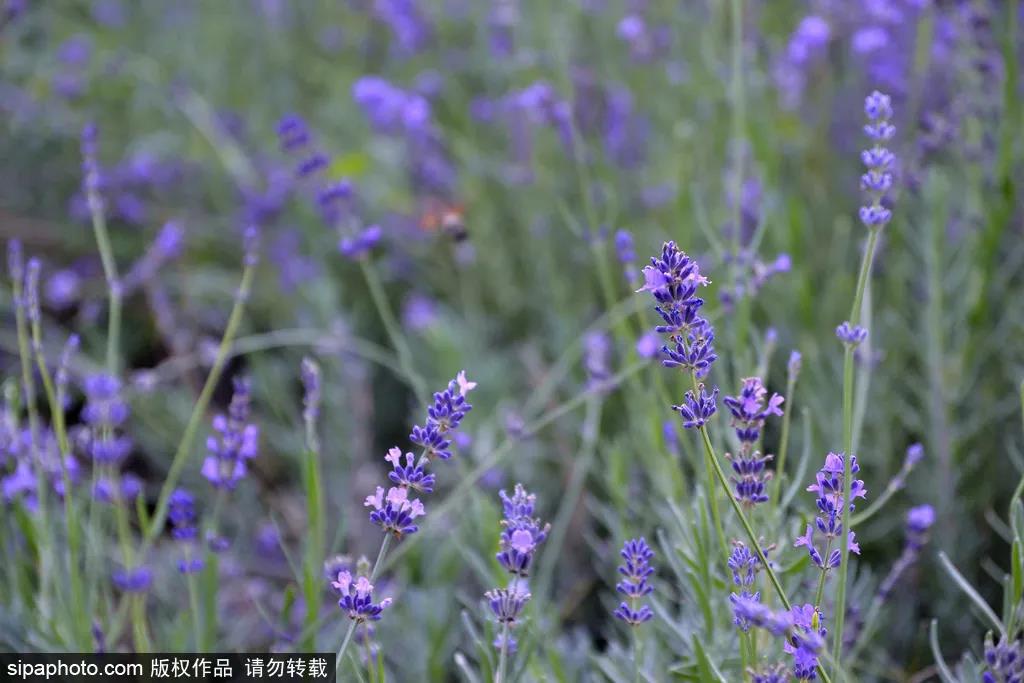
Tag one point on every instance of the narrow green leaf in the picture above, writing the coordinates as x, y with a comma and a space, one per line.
970, 592
940, 662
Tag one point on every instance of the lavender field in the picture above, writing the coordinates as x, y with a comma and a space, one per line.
517, 340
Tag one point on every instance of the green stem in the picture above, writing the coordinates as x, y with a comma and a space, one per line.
780, 468
185, 446
70, 519
99, 227
709, 465
503, 656
636, 652
754, 542
391, 326
193, 598
45, 544
844, 562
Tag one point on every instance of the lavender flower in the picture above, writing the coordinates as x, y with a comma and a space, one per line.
104, 413
878, 179
395, 512
357, 598
411, 475
443, 417
743, 564
507, 604
776, 674
626, 254
521, 533
596, 349
1004, 661
829, 488
794, 365
697, 409
749, 413
636, 570
805, 640
136, 580
673, 280
851, 335
181, 511
919, 521
235, 443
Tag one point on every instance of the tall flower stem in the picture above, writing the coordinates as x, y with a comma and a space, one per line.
499, 677
710, 465
99, 227
188, 437
780, 468
384, 544
82, 622
28, 385
636, 649
387, 317
844, 562
754, 542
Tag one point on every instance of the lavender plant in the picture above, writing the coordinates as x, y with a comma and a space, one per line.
471, 186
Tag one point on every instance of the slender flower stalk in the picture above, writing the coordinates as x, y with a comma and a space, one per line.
91, 172
395, 511
792, 373
521, 536
875, 183
313, 478
250, 260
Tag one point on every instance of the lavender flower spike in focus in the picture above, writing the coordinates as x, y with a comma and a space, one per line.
673, 280
749, 413
357, 598
851, 335
878, 179
522, 533
443, 417
636, 569
697, 409
829, 487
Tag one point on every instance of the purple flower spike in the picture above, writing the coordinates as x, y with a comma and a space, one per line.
878, 179
135, 580
852, 335
522, 533
829, 488
235, 443
357, 598
744, 565
395, 512
636, 570
697, 409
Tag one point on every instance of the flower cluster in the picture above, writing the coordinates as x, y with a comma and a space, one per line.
443, 418
1004, 661
743, 564
521, 535
829, 521
635, 570
105, 412
334, 198
877, 181
235, 443
749, 412
851, 335
394, 510
919, 521
357, 598
801, 626
181, 510
673, 280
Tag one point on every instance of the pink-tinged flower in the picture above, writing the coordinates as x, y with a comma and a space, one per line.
357, 598
465, 386
395, 512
